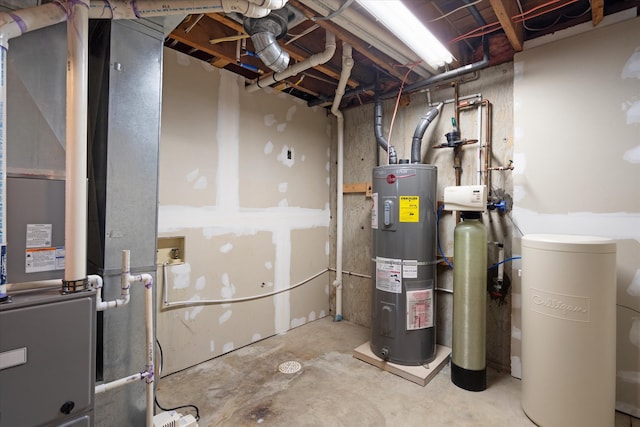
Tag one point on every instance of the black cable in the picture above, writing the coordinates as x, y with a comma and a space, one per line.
156, 397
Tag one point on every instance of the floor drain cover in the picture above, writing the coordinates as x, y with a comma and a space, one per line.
290, 367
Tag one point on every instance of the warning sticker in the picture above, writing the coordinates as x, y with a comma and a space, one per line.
39, 235
410, 269
388, 275
409, 208
419, 309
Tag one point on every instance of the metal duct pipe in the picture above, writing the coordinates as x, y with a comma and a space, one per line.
310, 62
264, 32
416, 144
377, 129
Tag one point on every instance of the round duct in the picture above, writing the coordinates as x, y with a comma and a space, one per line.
264, 32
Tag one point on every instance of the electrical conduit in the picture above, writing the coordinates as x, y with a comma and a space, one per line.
312, 61
347, 65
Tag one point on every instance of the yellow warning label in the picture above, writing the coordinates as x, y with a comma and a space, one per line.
409, 208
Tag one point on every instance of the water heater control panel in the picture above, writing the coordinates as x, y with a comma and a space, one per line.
465, 198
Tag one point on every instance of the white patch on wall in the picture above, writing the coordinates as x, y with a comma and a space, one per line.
191, 176
516, 333
326, 289
327, 166
328, 181
201, 183
312, 316
516, 367
270, 120
282, 187
329, 152
268, 147
225, 316
193, 312
633, 113
322, 314
227, 347
269, 284
226, 248
516, 104
181, 275
228, 289
518, 70
303, 158
284, 155
201, 283
291, 112
183, 59
634, 286
632, 377
207, 66
631, 69
256, 337
268, 265
634, 332
632, 155
268, 90
212, 346
281, 127
298, 322
283, 203
327, 248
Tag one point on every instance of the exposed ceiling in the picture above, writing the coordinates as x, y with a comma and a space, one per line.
381, 62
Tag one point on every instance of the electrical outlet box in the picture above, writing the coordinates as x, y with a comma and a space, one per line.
170, 250
465, 198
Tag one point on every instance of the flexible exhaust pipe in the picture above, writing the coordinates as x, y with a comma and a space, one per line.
416, 144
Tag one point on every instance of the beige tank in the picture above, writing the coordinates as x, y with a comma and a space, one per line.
568, 330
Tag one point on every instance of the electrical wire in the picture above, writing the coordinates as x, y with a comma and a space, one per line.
504, 261
395, 110
156, 397
438, 238
455, 10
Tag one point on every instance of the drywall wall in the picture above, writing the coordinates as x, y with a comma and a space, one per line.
244, 181
577, 129
493, 84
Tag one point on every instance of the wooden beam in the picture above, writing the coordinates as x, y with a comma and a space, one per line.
364, 49
597, 11
358, 187
294, 52
504, 10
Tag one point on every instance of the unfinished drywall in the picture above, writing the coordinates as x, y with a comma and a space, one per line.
577, 130
494, 85
244, 181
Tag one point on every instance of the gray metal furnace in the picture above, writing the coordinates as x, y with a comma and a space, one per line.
403, 220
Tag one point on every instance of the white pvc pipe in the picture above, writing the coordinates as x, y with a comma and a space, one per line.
127, 9
347, 65
76, 142
13, 25
126, 279
310, 62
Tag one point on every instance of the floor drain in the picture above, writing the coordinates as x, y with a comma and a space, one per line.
290, 367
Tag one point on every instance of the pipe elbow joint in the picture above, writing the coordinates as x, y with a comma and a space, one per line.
337, 284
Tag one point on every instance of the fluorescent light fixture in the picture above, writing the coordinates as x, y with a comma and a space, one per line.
394, 15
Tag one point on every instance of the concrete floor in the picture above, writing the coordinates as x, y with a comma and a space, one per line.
333, 388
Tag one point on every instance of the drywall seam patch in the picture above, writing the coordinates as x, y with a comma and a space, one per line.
634, 332
632, 155
181, 274
631, 69
228, 137
634, 286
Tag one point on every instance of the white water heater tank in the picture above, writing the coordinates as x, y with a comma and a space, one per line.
569, 330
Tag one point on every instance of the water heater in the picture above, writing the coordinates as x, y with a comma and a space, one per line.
403, 221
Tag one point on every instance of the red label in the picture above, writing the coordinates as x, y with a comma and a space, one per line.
391, 178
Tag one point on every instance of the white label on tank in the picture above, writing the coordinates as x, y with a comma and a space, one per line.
410, 269
419, 309
41, 259
38, 235
374, 211
388, 275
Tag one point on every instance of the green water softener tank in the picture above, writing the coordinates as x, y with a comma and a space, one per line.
403, 221
468, 350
